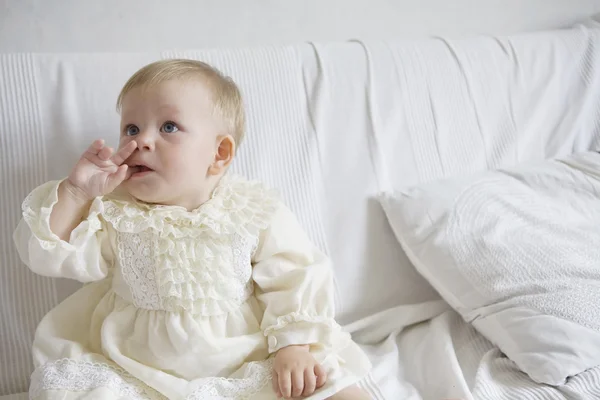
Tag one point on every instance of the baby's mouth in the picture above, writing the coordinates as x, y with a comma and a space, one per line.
139, 170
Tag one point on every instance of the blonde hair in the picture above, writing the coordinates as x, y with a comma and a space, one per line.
227, 98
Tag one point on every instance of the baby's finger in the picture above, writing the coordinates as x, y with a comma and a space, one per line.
129, 172
321, 376
275, 384
117, 177
95, 147
297, 383
310, 382
285, 384
105, 153
124, 153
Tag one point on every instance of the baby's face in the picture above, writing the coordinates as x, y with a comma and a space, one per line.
177, 138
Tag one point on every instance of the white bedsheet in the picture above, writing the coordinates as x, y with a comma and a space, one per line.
453, 360
322, 128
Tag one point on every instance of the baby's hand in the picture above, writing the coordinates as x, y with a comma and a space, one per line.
296, 373
98, 171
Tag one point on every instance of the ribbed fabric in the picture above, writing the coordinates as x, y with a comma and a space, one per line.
447, 358
371, 387
492, 376
17, 396
454, 107
24, 297
587, 64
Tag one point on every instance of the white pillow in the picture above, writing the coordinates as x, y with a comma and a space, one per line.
517, 253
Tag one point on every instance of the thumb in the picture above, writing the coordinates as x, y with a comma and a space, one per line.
321, 375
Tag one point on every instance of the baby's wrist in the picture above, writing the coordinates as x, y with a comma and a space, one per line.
301, 347
74, 193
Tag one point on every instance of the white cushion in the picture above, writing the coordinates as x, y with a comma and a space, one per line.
517, 253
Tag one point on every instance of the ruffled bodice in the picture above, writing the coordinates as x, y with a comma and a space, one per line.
195, 261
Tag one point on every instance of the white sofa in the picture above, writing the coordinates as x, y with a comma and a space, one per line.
331, 126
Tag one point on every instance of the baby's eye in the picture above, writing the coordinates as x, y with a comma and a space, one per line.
132, 130
169, 127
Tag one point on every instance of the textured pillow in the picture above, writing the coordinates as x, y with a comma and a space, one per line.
517, 253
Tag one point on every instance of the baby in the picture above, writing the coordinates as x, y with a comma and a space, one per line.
199, 284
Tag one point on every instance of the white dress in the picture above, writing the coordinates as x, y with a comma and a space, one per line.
178, 304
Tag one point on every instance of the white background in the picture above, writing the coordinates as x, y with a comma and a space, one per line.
149, 25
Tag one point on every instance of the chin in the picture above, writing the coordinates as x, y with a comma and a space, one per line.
144, 193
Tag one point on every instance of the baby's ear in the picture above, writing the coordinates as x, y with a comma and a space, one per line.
224, 155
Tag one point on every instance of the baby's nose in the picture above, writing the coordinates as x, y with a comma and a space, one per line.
145, 141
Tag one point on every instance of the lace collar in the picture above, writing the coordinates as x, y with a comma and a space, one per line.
236, 205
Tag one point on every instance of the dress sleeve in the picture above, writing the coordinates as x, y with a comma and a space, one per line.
45, 253
294, 284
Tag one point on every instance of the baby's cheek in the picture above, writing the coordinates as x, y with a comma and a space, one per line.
189, 161
183, 170
203, 159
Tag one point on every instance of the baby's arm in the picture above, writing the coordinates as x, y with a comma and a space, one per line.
60, 233
294, 284
69, 210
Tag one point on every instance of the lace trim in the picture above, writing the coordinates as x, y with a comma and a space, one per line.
191, 275
37, 207
236, 206
82, 376
243, 248
136, 256
258, 375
